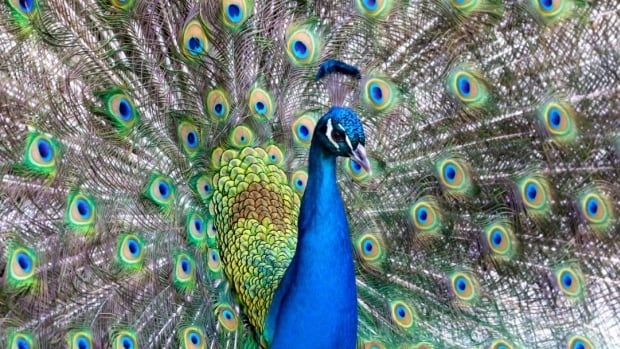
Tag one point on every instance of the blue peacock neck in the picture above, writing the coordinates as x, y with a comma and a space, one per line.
317, 298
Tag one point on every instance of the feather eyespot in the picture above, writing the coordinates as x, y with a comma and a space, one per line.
193, 338
24, 8
466, 5
236, 12
425, 216
402, 314
550, 12
380, 94
423, 345
559, 121
299, 179
534, 194
123, 4
595, 207
302, 45
227, 317
261, 104
467, 87
203, 186
241, 137
274, 155
355, 170
21, 340
501, 344
217, 104
370, 248
194, 43
80, 340
454, 176
160, 191
189, 135
120, 109
549, 7
374, 8
22, 266
130, 251
464, 287
125, 340
184, 272
41, 154
214, 261
81, 212
499, 239
569, 281
196, 230
579, 342
211, 232
373, 345
303, 128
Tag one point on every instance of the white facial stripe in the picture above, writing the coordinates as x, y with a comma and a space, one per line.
330, 128
346, 139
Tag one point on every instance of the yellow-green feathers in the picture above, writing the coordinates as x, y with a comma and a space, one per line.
254, 207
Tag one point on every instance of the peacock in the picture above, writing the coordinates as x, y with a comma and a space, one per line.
309, 173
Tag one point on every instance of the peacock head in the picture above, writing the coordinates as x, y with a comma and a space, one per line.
340, 132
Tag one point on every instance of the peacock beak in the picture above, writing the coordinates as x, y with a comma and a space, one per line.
359, 156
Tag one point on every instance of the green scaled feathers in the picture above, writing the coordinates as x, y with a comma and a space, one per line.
253, 204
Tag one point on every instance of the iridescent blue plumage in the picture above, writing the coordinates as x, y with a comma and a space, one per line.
318, 294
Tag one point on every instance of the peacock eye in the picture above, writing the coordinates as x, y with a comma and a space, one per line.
323, 129
338, 135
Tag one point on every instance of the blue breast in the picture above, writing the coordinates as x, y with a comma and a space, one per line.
315, 305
